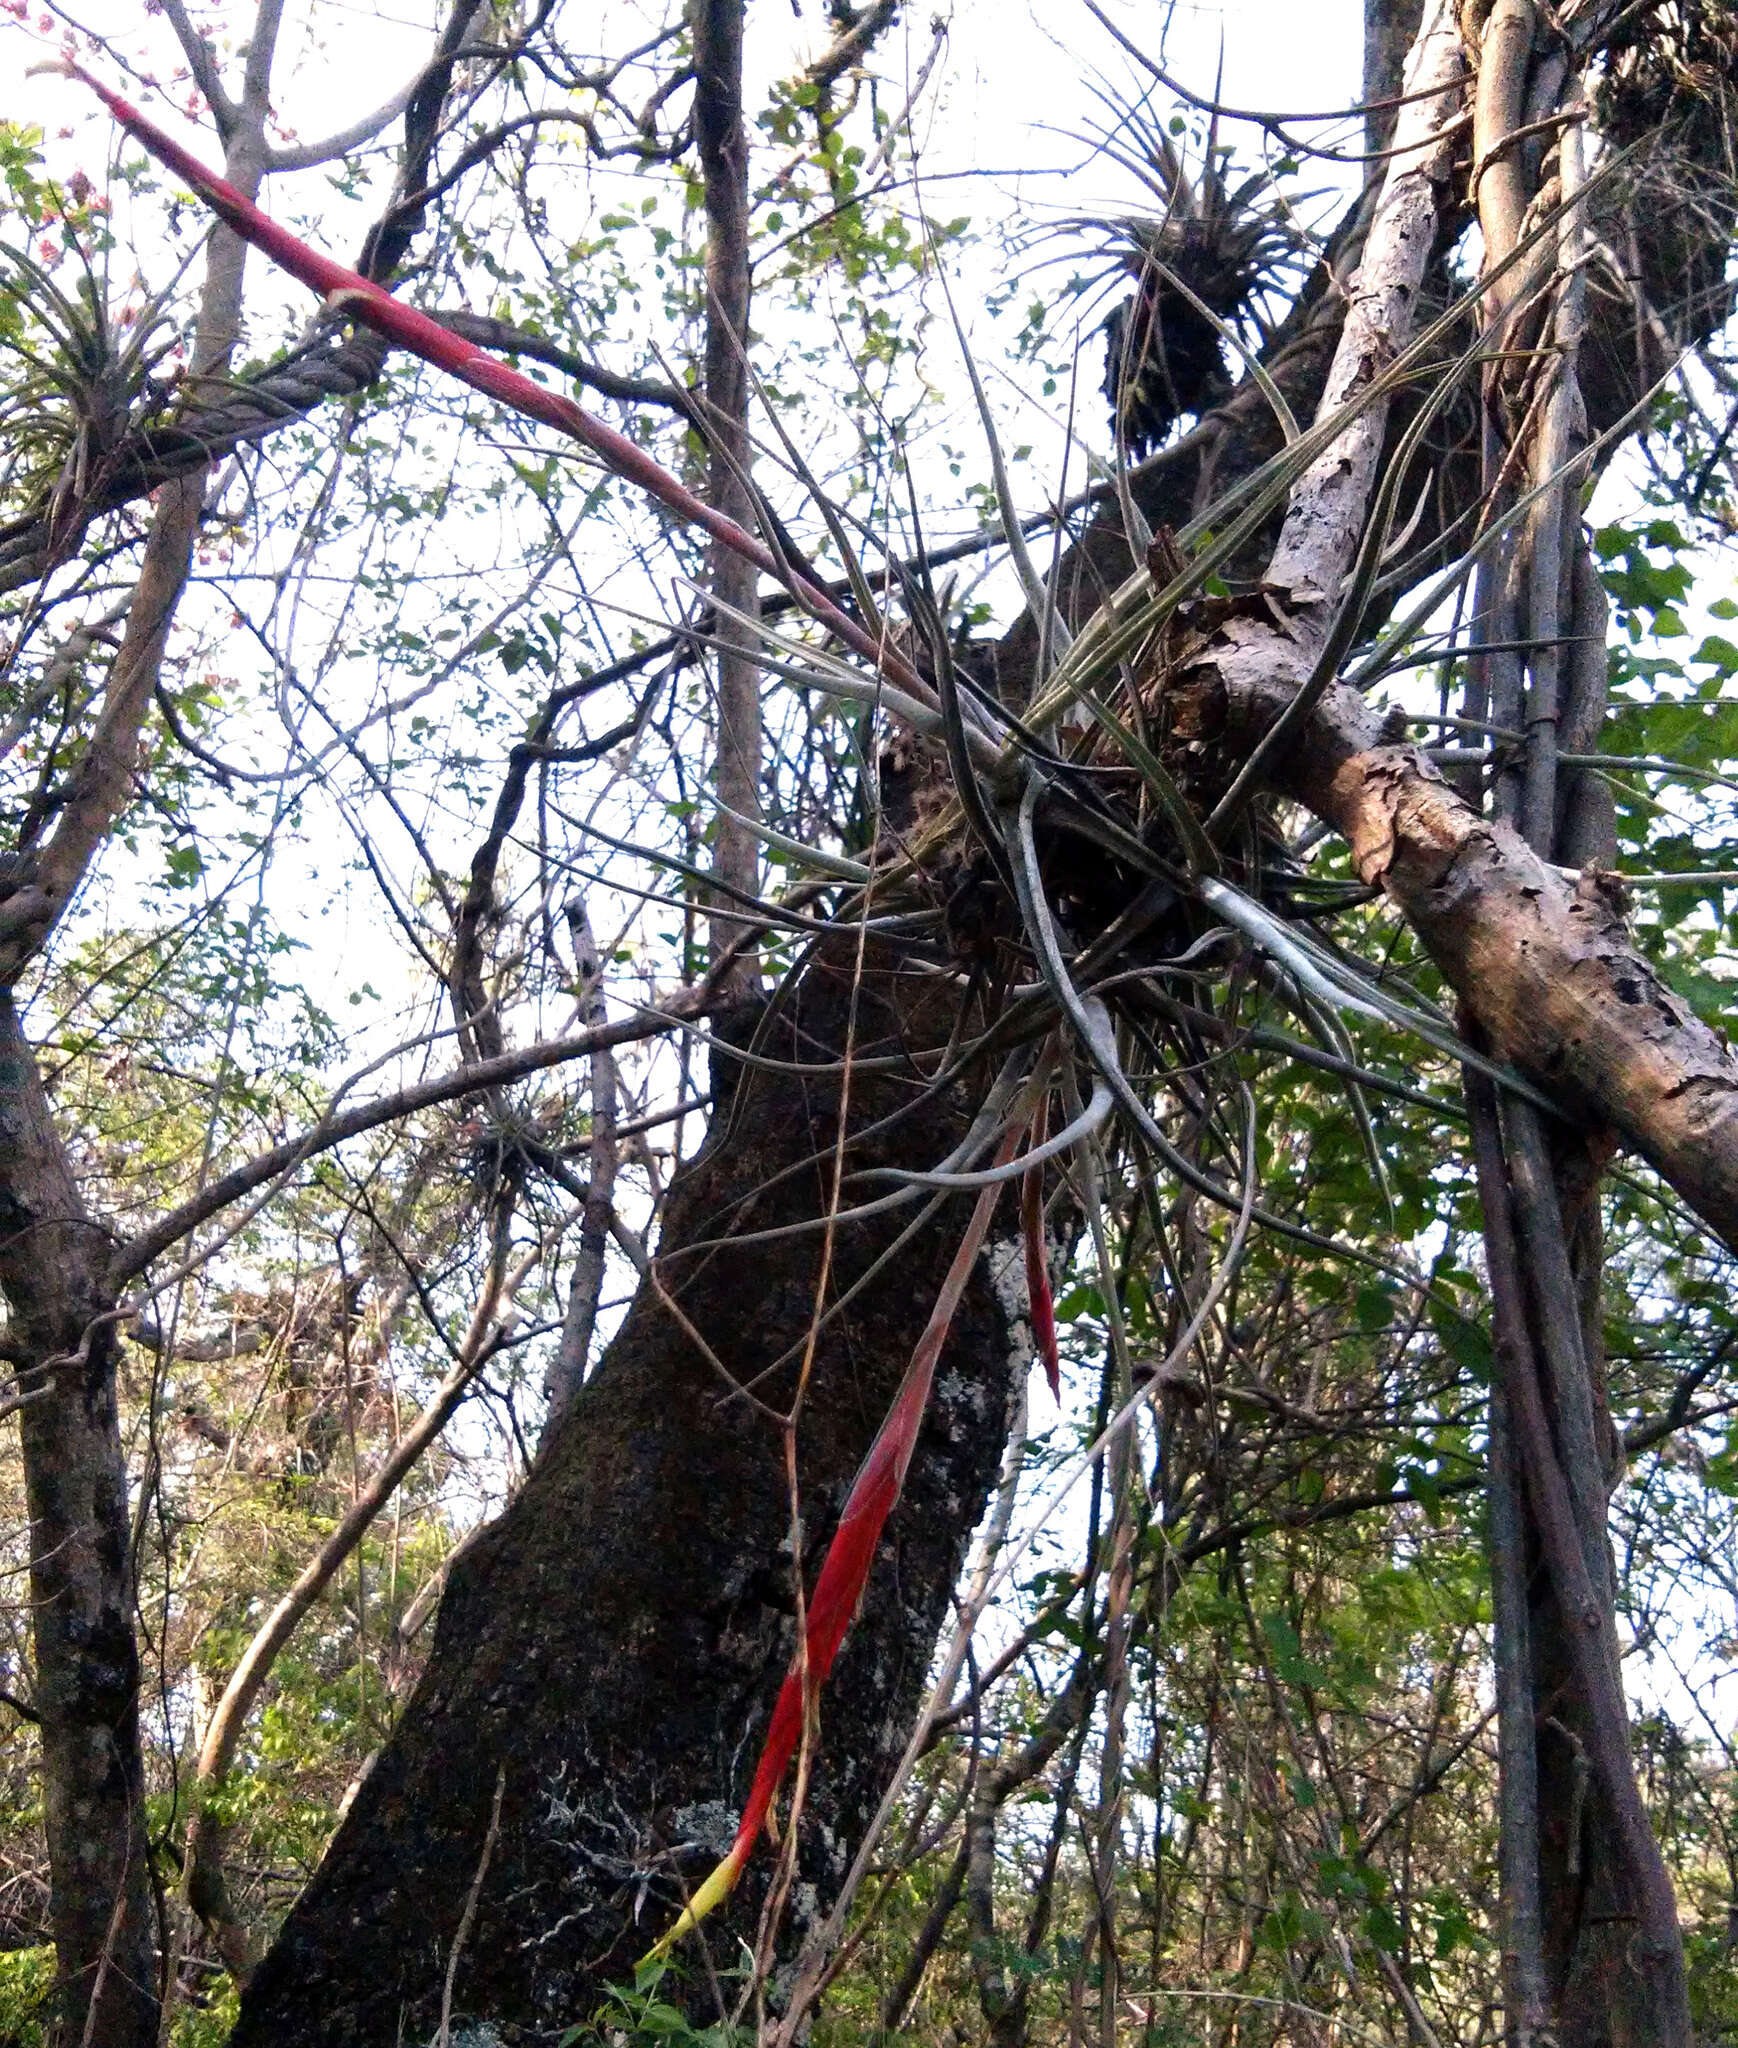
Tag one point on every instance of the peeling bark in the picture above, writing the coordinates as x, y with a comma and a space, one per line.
1543, 964
1542, 961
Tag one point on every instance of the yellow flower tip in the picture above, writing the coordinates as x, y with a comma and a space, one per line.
717, 1888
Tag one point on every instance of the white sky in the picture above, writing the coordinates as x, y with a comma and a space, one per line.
1020, 72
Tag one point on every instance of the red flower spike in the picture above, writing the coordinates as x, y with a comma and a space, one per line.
1039, 1301
377, 308
850, 1555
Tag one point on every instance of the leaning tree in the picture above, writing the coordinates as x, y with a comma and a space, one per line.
1099, 894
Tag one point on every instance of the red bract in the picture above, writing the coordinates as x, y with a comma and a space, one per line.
845, 1572
882, 1476
404, 325
1038, 1297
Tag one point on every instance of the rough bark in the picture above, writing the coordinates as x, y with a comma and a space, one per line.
616, 1640
53, 1259
614, 1506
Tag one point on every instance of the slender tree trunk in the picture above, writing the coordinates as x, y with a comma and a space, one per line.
1602, 1943
722, 142
616, 1640
1592, 1937
53, 1271
53, 1259
1389, 26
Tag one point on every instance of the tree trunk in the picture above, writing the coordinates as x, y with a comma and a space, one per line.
613, 1645
608, 1653
1608, 1986
1389, 27
53, 1259
722, 144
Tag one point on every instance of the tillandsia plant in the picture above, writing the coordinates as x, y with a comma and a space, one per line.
1202, 261
89, 372
1088, 920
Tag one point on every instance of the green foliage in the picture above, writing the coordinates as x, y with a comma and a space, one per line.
26, 1982
642, 2012
206, 2019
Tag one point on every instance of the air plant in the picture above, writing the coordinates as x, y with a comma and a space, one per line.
82, 376
1670, 88
1200, 262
